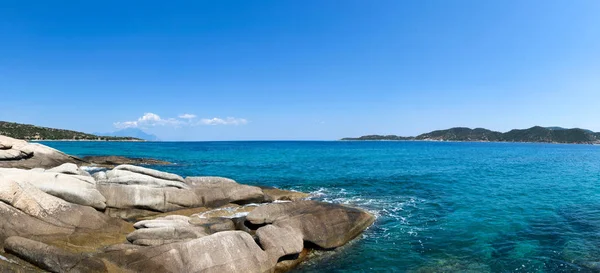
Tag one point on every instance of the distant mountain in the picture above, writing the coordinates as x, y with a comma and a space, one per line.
131, 132
32, 132
533, 134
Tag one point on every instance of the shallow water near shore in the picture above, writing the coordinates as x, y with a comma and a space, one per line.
440, 207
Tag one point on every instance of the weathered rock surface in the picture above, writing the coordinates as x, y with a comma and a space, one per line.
52, 258
76, 189
175, 228
273, 194
228, 251
280, 241
111, 161
169, 229
15, 153
140, 197
50, 219
323, 224
132, 192
29, 212
215, 191
135, 175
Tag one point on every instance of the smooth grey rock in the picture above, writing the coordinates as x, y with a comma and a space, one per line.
17, 153
175, 228
73, 188
280, 241
27, 211
216, 191
148, 198
228, 251
126, 177
324, 224
52, 258
150, 172
164, 230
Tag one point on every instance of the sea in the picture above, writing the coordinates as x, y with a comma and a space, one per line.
440, 206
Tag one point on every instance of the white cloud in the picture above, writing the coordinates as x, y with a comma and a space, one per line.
187, 116
226, 121
151, 120
148, 119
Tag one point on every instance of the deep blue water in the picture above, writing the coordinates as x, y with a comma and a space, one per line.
440, 207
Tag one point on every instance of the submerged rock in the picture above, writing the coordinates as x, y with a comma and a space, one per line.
111, 161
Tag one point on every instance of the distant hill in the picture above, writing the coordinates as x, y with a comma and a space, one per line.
32, 132
533, 134
462, 134
131, 132
380, 137
561, 128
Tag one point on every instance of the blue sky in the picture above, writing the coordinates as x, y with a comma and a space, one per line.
230, 70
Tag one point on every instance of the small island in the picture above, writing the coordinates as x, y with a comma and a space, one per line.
533, 134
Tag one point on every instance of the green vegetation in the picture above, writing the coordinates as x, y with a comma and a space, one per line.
380, 137
533, 134
32, 132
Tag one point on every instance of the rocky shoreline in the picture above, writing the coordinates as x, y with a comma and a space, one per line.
60, 218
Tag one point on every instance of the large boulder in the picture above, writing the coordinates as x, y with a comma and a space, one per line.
133, 192
76, 189
228, 251
140, 197
15, 153
216, 191
29, 212
52, 258
323, 224
280, 241
135, 175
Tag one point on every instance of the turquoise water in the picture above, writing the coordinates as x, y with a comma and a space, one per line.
440, 207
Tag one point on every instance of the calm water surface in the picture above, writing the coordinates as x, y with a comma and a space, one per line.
440, 207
